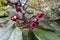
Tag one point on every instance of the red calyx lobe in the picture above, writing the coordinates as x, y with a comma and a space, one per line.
18, 9
14, 17
39, 14
32, 24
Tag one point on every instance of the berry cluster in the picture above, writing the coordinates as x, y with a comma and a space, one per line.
32, 22
35, 19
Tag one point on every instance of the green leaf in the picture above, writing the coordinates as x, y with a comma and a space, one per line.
5, 34
31, 35
0, 0
2, 20
12, 11
20, 14
8, 27
57, 28
16, 34
45, 24
10, 22
2, 8
25, 34
28, 35
10, 32
39, 35
45, 34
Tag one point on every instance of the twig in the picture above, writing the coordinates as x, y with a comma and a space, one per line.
25, 3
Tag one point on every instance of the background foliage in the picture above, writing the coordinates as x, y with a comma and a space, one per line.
49, 28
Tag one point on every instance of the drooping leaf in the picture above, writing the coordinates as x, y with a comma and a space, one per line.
45, 34
39, 36
46, 25
10, 22
6, 31
28, 35
57, 29
25, 34
7, 28
16, 34
10, 32
31, 35
5, 34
